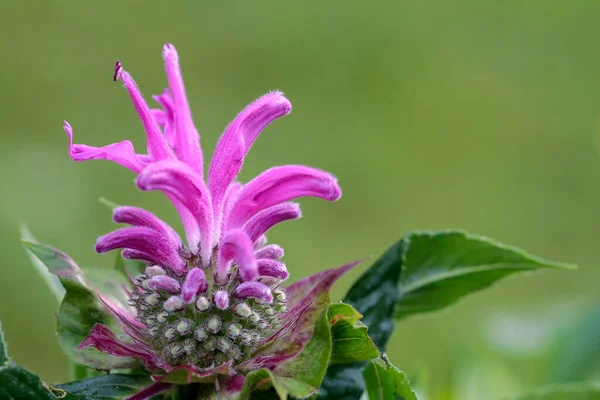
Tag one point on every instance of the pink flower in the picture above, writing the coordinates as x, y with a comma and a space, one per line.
209, 304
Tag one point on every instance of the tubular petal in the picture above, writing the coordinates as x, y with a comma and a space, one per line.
187, 141
273, 269
255, 290
144, 240
195, 282
131, 254
158, 148
139, 217
163, 282
267, 218
271, 251
236, 246
278, 185
180, 182
236, 141
121, 153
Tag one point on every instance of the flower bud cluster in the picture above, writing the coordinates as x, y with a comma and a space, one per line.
212, 329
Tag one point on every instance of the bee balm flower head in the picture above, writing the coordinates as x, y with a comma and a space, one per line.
208, 304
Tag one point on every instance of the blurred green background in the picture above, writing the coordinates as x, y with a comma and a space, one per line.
464, 114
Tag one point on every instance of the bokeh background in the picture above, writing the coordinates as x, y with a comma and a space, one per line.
463, 114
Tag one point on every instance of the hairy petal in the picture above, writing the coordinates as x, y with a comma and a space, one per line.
143, 240
254, 290
278, 185
273, 269
195, 282
139, 217
267, 218
180, 182
187, 141
236, 246
131, 254
236, 141
271, 251
121, 153
158, 149
163, 282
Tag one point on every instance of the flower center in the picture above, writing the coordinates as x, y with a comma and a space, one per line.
206, 332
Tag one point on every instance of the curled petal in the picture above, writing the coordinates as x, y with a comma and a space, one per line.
271, 251
102, 338
267, 218
121, 153
278, 185
158, 148
222, 299
187, 141
163, 282
254, 290
144, 240
236, 246
195, 282
180, 182
131, 254
236, 141
140, 217
273, 269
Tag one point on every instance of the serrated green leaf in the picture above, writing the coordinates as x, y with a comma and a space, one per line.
79, 310
106, 387
441, 267
338, 330
350, 340
374, 295
386, 382
4, 359
573, 391
51, 280
424, 271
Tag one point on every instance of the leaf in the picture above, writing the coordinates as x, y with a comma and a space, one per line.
384, 381
107, 387
424, 271
350, 340
374, 295
441, 267
52, 281
573, 391
79, 311
302, 375
261, 380
18, 383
